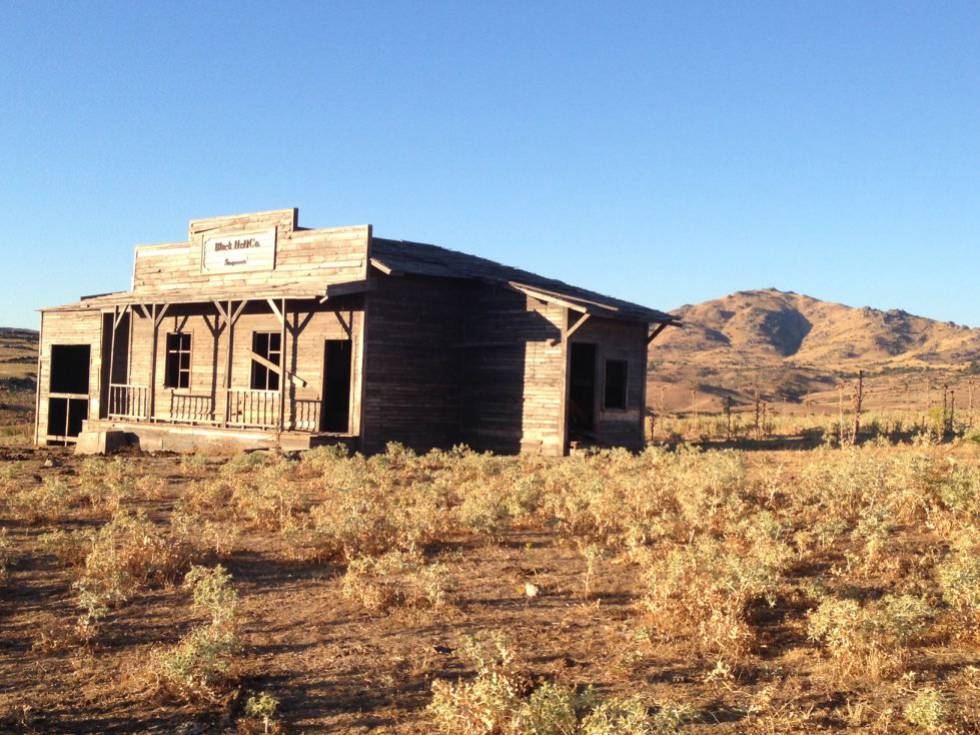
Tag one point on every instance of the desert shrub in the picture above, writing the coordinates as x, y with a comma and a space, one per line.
203, 660
245, 463
396, 579
629, 716
47, 501
5, 555
106, 483
958, 488
127, 554
551, 709
485, 513
9, 472
927, 710
483, 706
959, 579
194, 465
372, 516
708, 587
262, 706
873, 639
498, 700
68, 547
321, 460
208, 497
267, 497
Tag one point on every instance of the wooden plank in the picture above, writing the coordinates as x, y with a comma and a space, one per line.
277, 369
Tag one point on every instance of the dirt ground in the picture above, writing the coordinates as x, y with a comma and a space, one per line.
338, 668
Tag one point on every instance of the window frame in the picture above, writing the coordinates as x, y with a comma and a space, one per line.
625, 392
272, 378
168, 352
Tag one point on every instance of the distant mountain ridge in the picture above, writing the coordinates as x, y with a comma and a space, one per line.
791, 347
770, 325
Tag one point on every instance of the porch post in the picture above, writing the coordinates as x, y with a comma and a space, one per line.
231, 340
112, 359
158, 312
151, 409
282, 367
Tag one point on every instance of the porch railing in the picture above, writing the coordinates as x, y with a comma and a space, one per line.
253, 408
129, 401
306, 414
258, 409
191, 408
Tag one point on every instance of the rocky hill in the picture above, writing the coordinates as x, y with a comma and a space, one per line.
787, 346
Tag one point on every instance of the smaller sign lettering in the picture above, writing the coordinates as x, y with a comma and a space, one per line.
241, 251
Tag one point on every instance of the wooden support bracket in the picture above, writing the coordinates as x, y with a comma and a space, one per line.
275, 310
159, 315
656, 332
577, 325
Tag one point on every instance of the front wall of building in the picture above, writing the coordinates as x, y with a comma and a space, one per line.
316, 257
304, 351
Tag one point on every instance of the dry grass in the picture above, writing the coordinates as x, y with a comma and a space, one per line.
721, 591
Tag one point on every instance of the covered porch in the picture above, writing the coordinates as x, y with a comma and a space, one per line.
273, 367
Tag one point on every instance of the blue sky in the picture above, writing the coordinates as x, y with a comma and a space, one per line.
664, 153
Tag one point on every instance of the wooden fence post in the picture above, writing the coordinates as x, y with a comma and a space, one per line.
858, 398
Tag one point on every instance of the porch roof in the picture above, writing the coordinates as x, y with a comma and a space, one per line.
198, 295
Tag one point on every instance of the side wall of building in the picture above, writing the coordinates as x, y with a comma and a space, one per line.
68, 328
411, 388
618, 340
512, 372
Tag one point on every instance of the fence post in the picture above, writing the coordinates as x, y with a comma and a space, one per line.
858, 398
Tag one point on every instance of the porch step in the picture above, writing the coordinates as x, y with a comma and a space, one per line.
153, 437
101, 442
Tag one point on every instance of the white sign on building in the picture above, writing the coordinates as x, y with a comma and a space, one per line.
241, 251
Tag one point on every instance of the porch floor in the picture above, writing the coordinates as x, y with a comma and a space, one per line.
159, 436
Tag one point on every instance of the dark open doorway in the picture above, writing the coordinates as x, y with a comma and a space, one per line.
581, 390
335, 414
68, 391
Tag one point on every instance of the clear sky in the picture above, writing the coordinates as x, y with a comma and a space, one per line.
666, 153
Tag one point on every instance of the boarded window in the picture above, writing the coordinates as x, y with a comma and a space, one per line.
178, 368
615, 384
268, 346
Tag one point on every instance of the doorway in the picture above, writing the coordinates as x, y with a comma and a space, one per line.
68, 392
335, 410
582, 390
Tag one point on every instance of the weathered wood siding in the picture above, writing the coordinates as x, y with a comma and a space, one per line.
618, 340
411, 388
68, 328
317, 257
512, 373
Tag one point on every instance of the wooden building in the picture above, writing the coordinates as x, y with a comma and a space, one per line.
257, 332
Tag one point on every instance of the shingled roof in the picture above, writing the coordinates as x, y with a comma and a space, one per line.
399, 257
